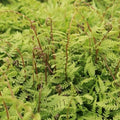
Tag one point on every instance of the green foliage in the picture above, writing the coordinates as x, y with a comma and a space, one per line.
59, 60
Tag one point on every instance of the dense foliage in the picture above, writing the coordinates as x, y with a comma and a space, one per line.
59, 60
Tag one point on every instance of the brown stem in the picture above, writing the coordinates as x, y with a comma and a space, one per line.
34, 64
13, 96
5, 106
68, 39
40, 91
39, 100
35, 32
31, 25
105, 60
116, 69
66, 56
102, 39
22, 61
93, 40
95, 10
68, 110
97, 49
43, 55
51, 37
119, 29
108, 8
46, 70
67, 44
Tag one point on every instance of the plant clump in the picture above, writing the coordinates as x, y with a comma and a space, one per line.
59, 60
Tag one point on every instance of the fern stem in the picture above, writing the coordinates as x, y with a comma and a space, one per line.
39, 100
34, 64
95, 10
102, 39
94, 40
108, 8
40, 91
46, 69
12, 94
51, 37
105, 60
119, 28
31, 24
32, 27
68, 110
97, 49
116, 69
35, 32
66, 56
67, 44
6, 109
22, 61
68, 39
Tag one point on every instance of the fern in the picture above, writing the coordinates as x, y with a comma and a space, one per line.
59, 60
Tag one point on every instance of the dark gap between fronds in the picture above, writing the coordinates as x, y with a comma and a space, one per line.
5, 106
